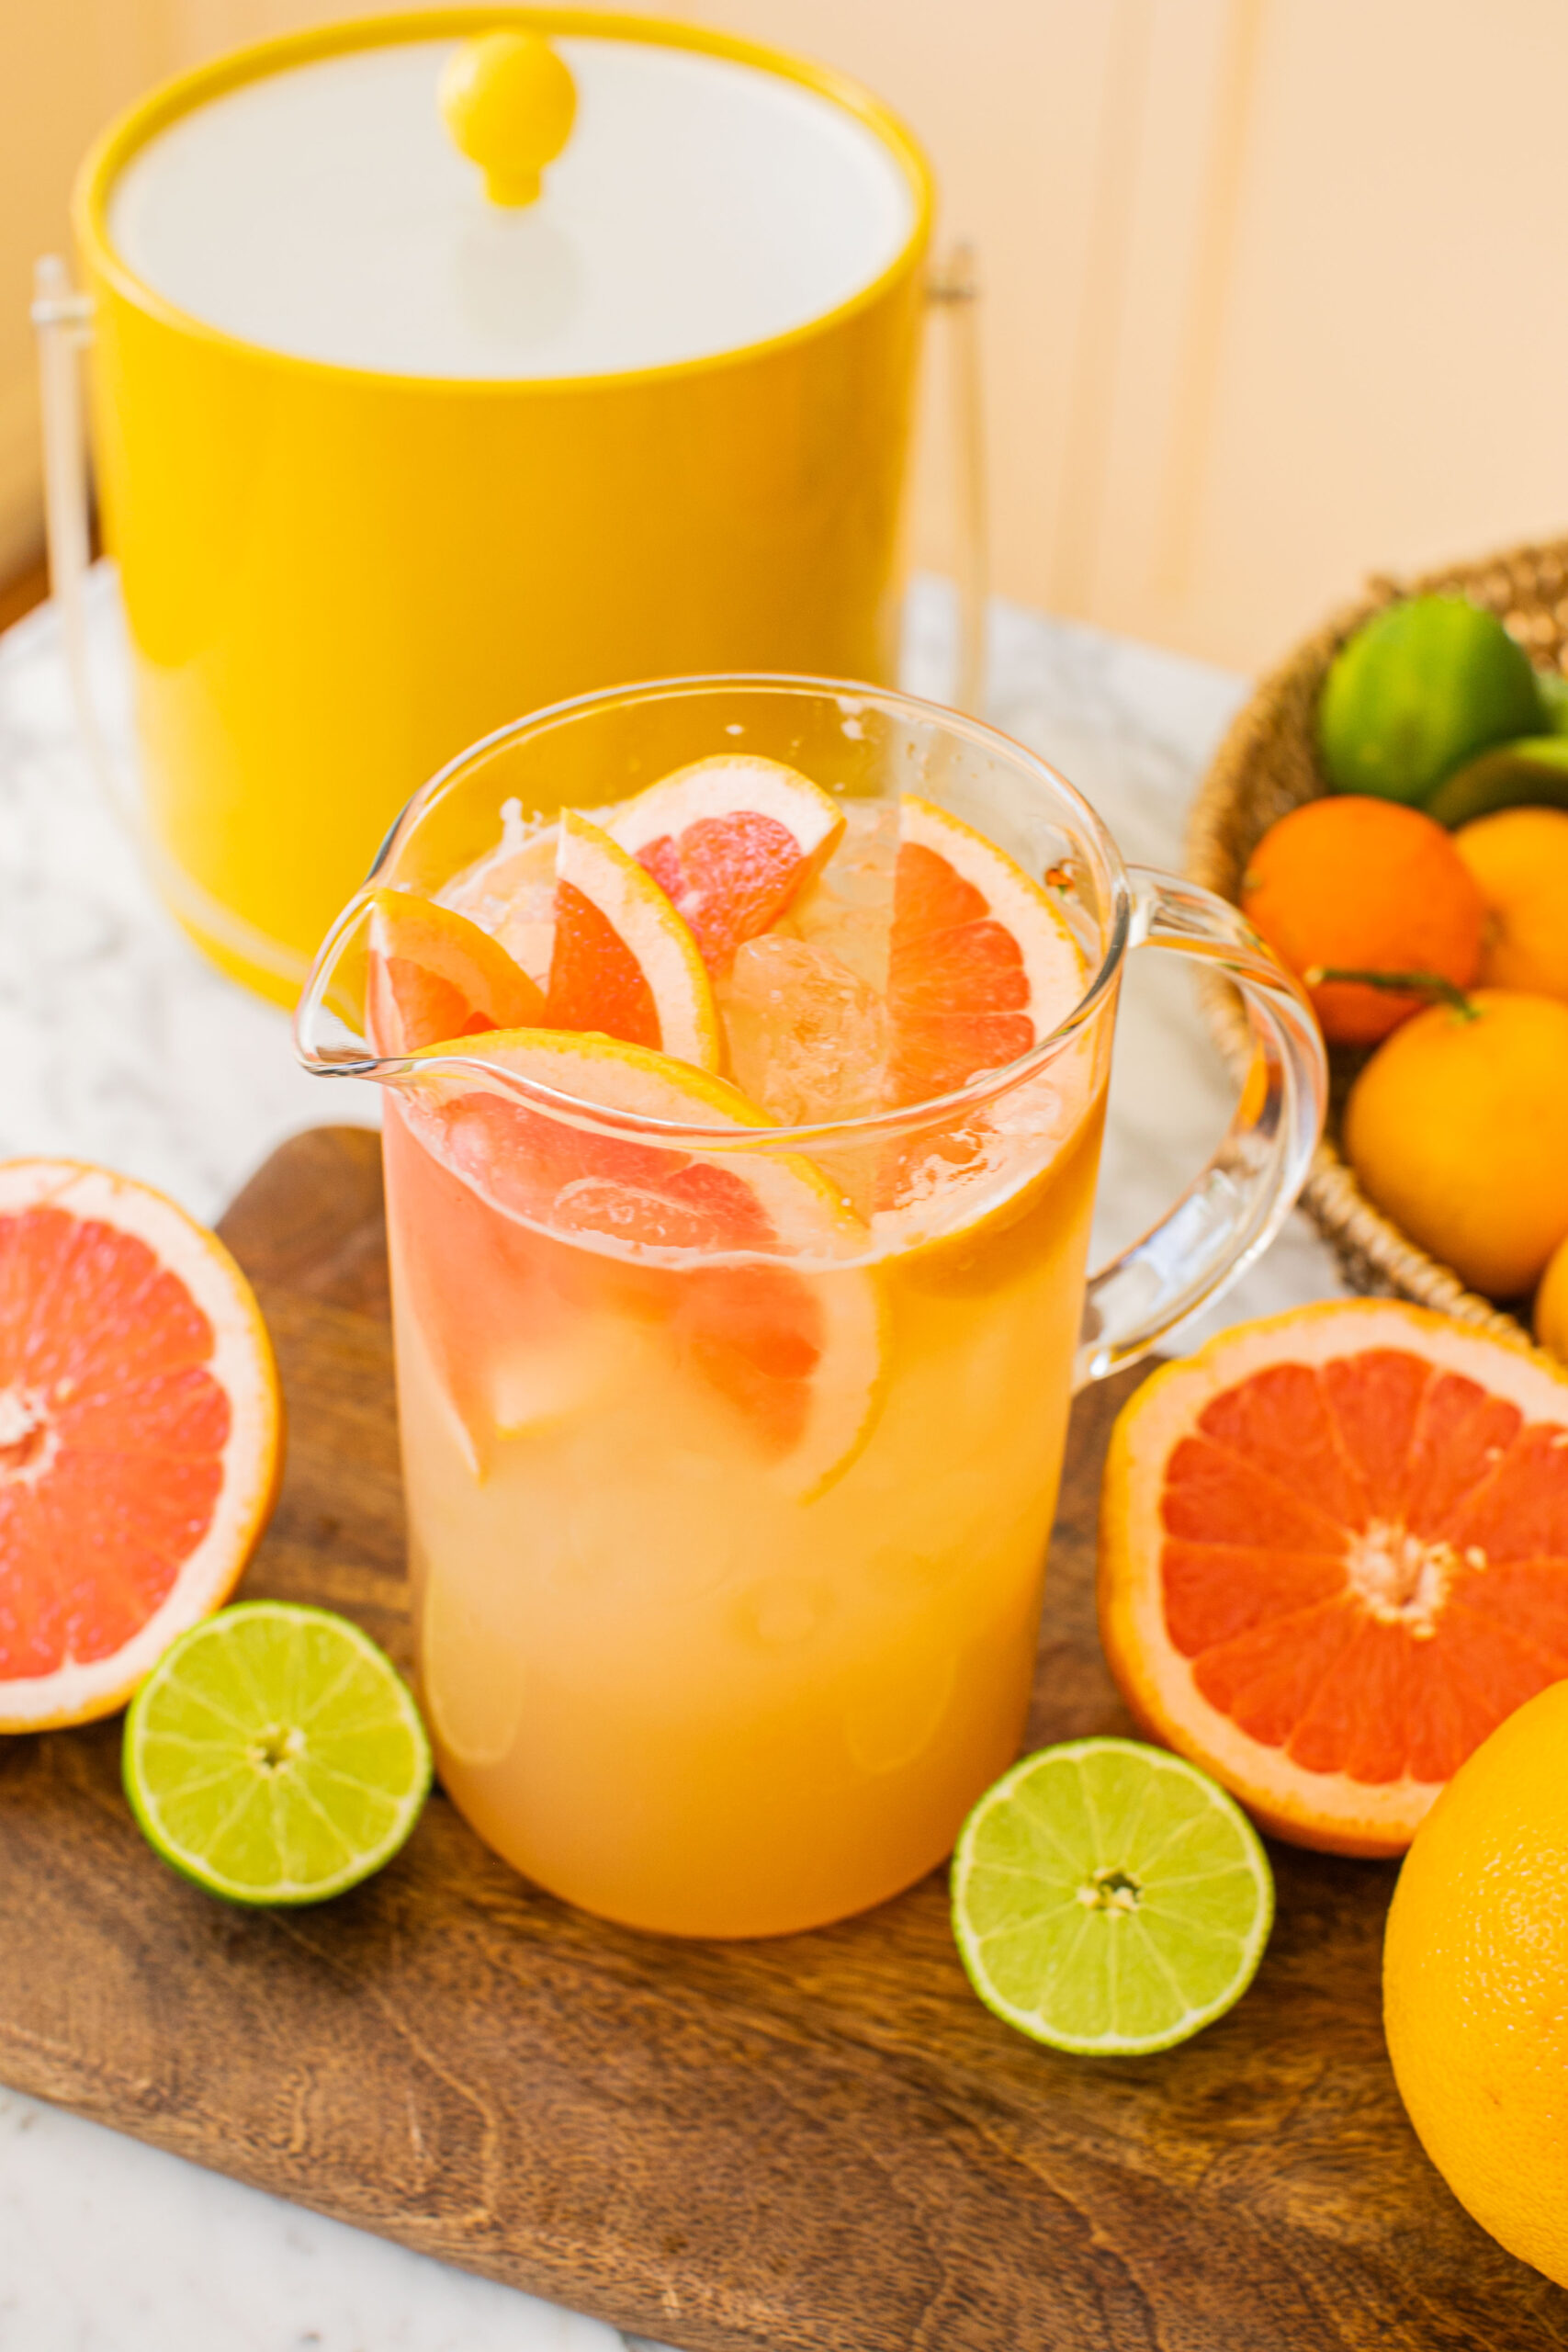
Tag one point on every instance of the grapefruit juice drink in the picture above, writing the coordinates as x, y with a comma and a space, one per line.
747, 1043
679, 1668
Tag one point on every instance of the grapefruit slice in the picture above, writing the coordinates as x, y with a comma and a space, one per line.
981, 965
730, 840
1333, 1556
701, 1248
140, 1435
432, 974
623, 962
510, 893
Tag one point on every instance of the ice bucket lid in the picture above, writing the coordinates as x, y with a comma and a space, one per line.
709, 198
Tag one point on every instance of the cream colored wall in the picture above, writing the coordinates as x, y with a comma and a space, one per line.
65, 66
1272, 285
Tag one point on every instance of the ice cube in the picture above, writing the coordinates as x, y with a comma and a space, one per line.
848, 910
807, 1033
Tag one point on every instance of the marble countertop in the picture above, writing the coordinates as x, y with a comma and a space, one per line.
121, 1045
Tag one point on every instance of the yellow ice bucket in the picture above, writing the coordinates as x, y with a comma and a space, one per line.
406, 424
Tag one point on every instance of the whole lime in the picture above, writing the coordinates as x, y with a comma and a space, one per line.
1420, 689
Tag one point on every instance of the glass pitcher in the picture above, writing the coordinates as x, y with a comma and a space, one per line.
732, 1452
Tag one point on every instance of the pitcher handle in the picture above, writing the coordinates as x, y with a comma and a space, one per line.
953, 287
1231, 1212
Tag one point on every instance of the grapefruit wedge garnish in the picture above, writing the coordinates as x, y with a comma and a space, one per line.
699, 1247
731, 840
981, 964
623, 962
432, 974
140, 1435
1333, 1556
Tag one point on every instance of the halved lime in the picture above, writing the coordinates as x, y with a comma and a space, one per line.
1110, 1898
276, 1755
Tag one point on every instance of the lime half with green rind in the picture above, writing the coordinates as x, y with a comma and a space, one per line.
1532, 773
1109, 1898
275, 1755
1418, 690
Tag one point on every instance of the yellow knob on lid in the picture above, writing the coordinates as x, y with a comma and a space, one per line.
509, 101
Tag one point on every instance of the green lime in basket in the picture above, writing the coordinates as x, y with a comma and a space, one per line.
1419, 689
276, 1755
1109, 1898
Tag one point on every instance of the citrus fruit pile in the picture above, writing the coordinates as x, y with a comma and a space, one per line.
1438, 935
733, 949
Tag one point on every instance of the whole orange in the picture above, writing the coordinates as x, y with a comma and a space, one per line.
1519, 859
1550, 1316
1357, 884
1475, 1967
1458, 1129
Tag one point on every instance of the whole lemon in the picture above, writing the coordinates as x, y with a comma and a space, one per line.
1475, 1983
1519, 860
1417, 689
1551, 1305
1458, 1129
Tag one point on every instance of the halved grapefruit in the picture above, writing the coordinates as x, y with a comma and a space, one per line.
623, 963
140, 1435
698, 1247
432, 974
981, 964
731, 840
1333, 1556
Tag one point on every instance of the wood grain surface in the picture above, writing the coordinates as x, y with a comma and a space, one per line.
821, 2143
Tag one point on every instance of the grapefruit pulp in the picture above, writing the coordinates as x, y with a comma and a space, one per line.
432, 974
1334, 1557
140, 1435
981, 965
731, 840
623, 963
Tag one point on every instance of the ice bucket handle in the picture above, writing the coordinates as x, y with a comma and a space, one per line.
953, 291
63, 319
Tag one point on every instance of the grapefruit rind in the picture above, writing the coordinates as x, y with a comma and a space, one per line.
243, 1365
732, 785
819, 1232
642, 917
1328, 1812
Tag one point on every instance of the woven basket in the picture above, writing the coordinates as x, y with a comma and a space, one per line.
1267, 764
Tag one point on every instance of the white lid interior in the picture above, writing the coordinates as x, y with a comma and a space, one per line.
700, 205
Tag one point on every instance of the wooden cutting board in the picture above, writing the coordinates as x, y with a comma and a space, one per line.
821, 2142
